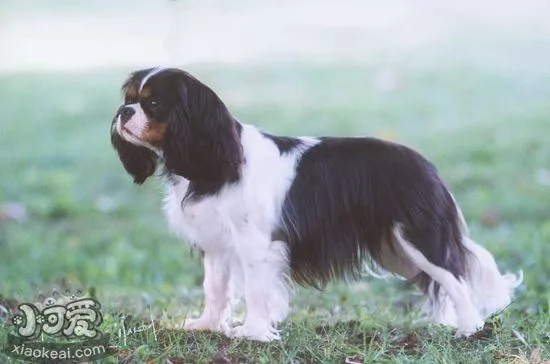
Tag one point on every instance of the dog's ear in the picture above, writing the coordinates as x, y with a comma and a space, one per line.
202, 142
139, 162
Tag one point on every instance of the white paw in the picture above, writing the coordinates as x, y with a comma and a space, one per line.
204, 324
256, 333
470, 328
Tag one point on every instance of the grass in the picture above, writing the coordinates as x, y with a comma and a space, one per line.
486, 128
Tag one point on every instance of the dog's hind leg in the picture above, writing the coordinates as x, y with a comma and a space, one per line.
468, 318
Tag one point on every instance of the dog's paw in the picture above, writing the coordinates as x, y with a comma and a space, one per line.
255, 333
204, 324
465, 330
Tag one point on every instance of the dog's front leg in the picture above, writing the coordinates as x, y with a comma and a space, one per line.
265, 267
217, 307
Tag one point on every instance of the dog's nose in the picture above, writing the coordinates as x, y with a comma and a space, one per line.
125, 114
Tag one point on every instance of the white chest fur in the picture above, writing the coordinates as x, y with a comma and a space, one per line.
255, 202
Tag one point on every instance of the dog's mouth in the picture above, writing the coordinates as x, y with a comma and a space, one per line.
132, 137
129, 132
126, 133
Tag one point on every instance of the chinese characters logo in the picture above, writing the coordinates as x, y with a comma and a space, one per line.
70, 319
71, 316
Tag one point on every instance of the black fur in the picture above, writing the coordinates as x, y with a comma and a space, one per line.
348, 195
285, 144
202, 142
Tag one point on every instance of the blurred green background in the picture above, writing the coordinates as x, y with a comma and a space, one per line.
466, 84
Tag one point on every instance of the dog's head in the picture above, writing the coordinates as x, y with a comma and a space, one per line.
169, 116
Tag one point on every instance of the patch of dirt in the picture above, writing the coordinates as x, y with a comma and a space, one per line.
358, 335
174, 360
488, 331
411, 342
124, 355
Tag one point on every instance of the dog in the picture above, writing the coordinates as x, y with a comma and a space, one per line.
266, 210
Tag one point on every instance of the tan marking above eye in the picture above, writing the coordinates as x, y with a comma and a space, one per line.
131, 94
145, 93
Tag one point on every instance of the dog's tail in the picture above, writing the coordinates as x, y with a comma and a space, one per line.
491, 291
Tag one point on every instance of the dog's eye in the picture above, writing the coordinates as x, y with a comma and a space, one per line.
152, 102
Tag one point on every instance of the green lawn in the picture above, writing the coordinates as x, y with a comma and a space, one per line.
486, 126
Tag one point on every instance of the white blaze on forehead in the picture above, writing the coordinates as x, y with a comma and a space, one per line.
151, 73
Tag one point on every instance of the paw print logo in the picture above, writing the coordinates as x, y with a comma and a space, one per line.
17, 320
40, 319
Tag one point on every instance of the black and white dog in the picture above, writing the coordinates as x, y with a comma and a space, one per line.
263, 209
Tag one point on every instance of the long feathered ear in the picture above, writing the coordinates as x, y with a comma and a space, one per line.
139, 162
202, 142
